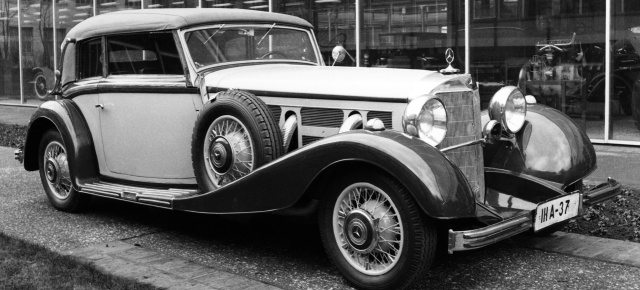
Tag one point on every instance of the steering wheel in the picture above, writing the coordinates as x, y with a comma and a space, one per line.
273, 53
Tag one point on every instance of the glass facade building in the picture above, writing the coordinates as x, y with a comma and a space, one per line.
579, 56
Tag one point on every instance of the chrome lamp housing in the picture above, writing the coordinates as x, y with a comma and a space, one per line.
508, 106
426, 118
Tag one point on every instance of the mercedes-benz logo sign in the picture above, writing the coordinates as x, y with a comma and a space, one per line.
449, 55
357, 233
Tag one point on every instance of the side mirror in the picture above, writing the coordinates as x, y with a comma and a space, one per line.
56, 87
530, 99
338, 54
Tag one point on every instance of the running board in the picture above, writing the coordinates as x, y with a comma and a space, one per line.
156, 196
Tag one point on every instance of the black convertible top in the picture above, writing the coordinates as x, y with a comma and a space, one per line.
165, 19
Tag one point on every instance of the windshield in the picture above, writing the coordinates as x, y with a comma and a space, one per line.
228, 43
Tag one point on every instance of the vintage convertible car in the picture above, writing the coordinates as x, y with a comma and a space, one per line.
224, 111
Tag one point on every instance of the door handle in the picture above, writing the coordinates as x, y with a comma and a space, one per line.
101, 106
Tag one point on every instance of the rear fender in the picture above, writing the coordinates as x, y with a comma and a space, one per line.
439, 187
64, 117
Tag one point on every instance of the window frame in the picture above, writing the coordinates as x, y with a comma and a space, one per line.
169, 33
187, 53
79, 62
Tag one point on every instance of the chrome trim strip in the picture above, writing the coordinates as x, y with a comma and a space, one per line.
470, 143
288, 128
313, 96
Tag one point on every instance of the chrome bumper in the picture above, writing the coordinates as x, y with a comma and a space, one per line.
602, 192
18, 155
477, 238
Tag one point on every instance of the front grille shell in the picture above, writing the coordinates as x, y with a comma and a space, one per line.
464, 125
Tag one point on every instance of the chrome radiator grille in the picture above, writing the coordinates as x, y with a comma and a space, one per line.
385, 117
463, 109
322, 117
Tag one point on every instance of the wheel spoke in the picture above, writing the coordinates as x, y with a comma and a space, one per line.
385, 229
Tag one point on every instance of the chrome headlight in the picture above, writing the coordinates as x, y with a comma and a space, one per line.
509, 107
426, 118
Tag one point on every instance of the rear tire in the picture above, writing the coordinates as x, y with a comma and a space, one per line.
375, 233
234, 135
55, 176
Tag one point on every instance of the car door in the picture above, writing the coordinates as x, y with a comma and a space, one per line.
147, 111
86, 69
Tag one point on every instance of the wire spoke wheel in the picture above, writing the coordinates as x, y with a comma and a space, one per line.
56, 169
373, 230
368, 229
55, 175
234, 134
228, 151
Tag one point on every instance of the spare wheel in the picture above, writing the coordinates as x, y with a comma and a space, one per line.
234, 134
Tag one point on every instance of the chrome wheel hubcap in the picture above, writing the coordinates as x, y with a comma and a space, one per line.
368, 229
221, 155
51, 170
360, 231
56, 170
228, 151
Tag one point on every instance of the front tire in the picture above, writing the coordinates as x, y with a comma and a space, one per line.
374, 232
234, 135
55, 176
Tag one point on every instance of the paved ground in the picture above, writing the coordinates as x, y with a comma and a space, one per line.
156, 245
619, 162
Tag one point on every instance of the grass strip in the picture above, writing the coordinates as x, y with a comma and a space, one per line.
24, 265
618, 218
12, 135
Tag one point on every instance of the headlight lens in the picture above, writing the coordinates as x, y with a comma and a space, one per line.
509, 107
426, 118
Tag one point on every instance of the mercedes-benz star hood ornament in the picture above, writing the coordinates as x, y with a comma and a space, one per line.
449, 58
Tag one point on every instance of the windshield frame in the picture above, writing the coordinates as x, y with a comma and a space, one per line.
308, 32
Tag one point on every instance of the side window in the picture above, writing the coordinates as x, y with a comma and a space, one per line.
90, 63
143, 53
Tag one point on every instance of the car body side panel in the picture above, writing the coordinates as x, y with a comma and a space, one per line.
549, 147
67, 119
438, 186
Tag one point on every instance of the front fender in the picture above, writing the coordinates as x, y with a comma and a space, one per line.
66, 118
437, 185
549, 146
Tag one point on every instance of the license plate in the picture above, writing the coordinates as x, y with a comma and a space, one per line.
557, 210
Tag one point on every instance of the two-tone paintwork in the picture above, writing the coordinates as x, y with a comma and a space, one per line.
137, 129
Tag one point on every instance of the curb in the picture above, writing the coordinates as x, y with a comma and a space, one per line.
160, 270
601, 249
